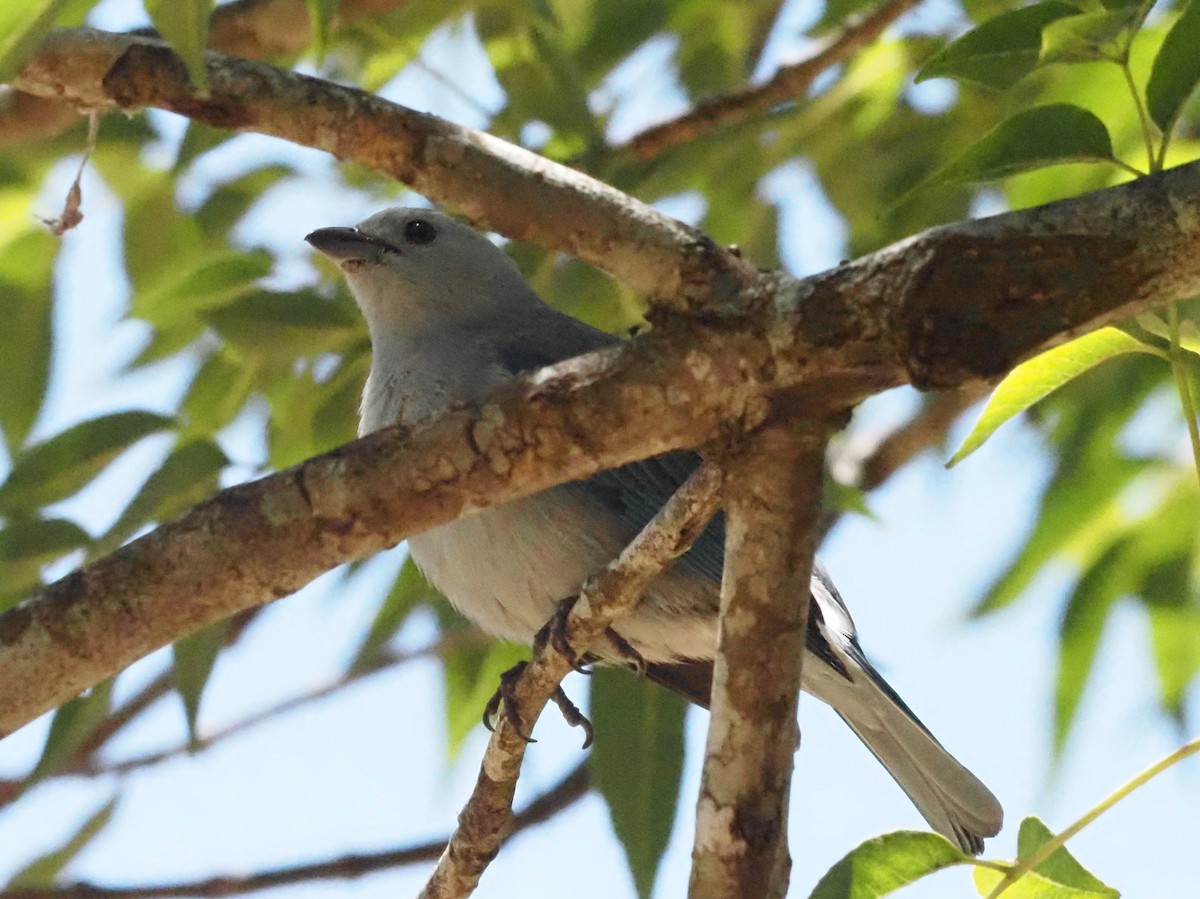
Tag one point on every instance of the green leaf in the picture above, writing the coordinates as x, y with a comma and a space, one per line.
1091, 37
23, 23
1077, 505
1087, 611
1061, 867
320, 12
218, 392
1031, 886
186, 476
1176, 70
208, 280
268, 324
230, 201
184, 25
336, 419
40, 874
1001, 51
1032, 380
636, 763
1175, 645
886, 863
26, 266
26, 545
53, 470
1061, 876
409, 591
193, 659
472, 673
1045, 135
73, 723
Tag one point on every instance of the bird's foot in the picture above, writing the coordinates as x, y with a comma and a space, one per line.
554, 633
506, 695
573, 716
623, 651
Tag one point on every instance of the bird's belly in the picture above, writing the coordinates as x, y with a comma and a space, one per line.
505, 568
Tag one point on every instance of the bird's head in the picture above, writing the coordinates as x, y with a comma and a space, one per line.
414, 269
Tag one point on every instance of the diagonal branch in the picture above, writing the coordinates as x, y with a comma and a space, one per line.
950, 306
254, 29
567, 791
476, 173
772, 501
787, 85
485, 821
954, 305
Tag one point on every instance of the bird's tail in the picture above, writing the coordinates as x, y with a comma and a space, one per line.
952, 799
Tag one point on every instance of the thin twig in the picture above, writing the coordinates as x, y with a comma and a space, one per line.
383, 663
567, 791
868, 465
485, 820
787, 84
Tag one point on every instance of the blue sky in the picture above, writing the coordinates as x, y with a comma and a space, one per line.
348, 775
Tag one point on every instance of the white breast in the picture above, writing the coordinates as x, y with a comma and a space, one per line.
506, 568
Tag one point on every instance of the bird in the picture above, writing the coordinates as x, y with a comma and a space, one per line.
451, 319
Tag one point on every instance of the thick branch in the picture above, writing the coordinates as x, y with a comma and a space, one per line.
953, 305
567, 791
606, 597
472, 171
255, 29
947, 307
787, 85
772, 501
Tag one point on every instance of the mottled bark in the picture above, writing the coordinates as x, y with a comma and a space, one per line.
255, 29
951, 306
772, 500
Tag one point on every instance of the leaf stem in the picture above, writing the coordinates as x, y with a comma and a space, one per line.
1147, 135
1179, 369
1021, 868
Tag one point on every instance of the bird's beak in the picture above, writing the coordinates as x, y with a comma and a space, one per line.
347, 244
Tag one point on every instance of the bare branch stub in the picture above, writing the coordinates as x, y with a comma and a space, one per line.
772, 503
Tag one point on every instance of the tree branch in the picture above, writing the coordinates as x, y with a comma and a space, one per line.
788, 84
567, 791
772, 501
254, 29
476, 173
607, 596
927, 429
349, 678
950, 306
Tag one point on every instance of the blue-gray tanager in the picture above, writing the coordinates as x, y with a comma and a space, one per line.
451, 318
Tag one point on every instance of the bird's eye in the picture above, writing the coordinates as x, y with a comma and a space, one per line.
420, 231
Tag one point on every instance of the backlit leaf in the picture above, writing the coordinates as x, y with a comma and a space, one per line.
1032, 380
885, 864
23, 23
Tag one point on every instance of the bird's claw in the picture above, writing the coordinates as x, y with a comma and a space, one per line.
554, 633
506, 695
624, 651
573, 716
